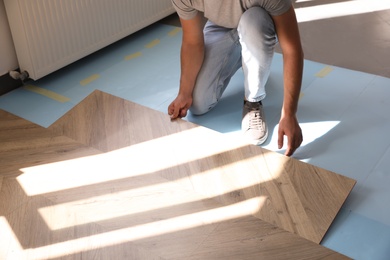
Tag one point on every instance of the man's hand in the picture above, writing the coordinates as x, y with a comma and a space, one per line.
288, 126
179, 106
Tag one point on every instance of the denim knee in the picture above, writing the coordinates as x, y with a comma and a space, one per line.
200, 108
258, 38
255, 23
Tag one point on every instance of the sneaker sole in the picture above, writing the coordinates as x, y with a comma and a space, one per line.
259, 141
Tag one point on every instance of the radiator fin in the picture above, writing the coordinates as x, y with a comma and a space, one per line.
58, 32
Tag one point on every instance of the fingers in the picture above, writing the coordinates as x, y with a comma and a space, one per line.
280, 139
289, 151
294, 141
172, 111
183, 112
293, 144
290, 147
175, 111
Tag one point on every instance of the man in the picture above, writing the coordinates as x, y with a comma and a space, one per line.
239, 33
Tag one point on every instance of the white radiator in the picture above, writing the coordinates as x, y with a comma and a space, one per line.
50, 34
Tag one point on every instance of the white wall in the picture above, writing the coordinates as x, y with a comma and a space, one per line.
8, 60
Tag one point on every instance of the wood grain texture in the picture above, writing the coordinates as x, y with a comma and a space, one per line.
112, 178
295, 189
24, 144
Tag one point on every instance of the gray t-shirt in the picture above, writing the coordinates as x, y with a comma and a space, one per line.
227, 13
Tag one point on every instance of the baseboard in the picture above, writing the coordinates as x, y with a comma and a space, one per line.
8, 84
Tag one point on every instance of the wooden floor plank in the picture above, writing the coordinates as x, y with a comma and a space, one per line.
242, 171
115, 178
12, 196
246, 238
25, 144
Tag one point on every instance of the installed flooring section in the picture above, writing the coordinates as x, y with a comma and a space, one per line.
112, 179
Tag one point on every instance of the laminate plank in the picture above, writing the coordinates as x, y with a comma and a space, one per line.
245, 238
288, 204
12, 196
128, 207
26, 234
48, 150
120, 251
109, 123
239, 171
28, 231
235, 237
24, 144
113, 178
35, 240
201, 229
151, 223
295, 191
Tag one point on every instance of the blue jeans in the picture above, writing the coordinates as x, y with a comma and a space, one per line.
250, 46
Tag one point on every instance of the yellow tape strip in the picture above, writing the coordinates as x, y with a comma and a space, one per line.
301, 95
90, 79
133, 56
324, 72
152, 44
47, 93
174, 31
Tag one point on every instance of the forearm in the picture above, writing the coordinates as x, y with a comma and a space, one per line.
289, 39
191, 61
293, 70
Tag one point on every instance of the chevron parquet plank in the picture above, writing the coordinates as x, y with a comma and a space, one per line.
245, 238
112, 178
295, 190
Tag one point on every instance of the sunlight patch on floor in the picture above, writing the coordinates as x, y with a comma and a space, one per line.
8, 240
153, 229
136, 160
311, 132
326, 11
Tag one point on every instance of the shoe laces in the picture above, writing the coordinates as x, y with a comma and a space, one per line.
255, 120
